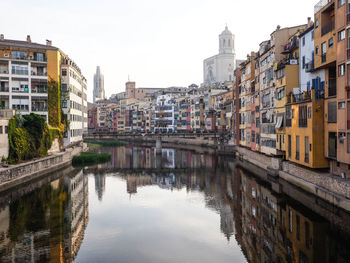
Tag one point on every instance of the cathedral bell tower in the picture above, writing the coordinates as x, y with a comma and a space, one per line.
226, 42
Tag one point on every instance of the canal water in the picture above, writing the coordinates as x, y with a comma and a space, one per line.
180, 206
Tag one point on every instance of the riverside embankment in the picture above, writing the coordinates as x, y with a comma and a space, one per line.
332, 189
15, 175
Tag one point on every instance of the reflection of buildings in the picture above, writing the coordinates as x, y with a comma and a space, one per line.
47, 224
277, 229
76, 214
134, 181
4, 228
100, 185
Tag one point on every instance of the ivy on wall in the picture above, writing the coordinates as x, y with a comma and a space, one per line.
54, 103
56, 116
29, 137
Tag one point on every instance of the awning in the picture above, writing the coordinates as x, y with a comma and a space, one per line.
279, 121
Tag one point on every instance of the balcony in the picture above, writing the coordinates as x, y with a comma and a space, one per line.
309, 67
39, 89
327, 28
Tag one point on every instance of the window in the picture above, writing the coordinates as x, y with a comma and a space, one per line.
341, 3
303, 41
298, 226
341, 70
341, 35
341, 105
330, 42
19, 55
316, 23
312, 35
7, 129
297, 151
332, 112
290, 221
306, 149
303, 62
307, 234
64, 72
316, 50
302, 115
0, 129
309, 110
323, 48
348, 143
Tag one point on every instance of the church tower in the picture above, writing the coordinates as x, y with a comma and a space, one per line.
226, 42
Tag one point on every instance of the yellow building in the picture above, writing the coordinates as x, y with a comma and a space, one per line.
305, 129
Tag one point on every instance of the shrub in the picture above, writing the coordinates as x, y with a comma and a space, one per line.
106, 143
87, 158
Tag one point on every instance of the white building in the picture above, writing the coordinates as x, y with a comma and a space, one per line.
165, 114
74, 100
99, 89
220, 68
308, 77
5, 116
23, 76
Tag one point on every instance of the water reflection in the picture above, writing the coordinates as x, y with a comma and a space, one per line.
47, 224
179, 206
269, 227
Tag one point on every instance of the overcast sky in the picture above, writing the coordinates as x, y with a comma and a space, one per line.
158, 43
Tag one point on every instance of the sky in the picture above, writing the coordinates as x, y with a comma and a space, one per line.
156, 43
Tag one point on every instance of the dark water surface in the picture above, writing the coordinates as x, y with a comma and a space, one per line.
181, 206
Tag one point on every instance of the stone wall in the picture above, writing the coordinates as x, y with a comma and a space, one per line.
21, 173
333, 183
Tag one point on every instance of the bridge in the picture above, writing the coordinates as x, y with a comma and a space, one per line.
218, 141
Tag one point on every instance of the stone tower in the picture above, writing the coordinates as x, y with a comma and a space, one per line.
99, 89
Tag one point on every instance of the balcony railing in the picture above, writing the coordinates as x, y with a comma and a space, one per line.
327, 28
4, 89
39, 73
39, 108
320, 5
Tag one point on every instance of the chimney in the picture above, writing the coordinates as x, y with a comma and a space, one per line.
28, 39
48, 43
309, 22
2, 37
278, 27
